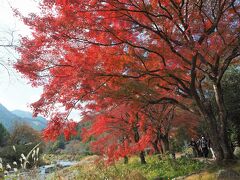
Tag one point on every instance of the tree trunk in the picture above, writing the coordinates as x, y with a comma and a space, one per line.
161, 150
142, 157
136, 139
226, 147
125, 160
218, 135
222, 120
214, 136
165, 143
155, 146
217, 122
220, 143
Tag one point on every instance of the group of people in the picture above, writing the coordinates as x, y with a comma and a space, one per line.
200, 147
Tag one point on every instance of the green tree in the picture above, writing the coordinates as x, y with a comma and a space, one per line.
231, 88
60, 143
3, 135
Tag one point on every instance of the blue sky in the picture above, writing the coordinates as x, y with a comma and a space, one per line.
15, 93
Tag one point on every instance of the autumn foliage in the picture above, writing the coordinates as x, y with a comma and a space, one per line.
118, 60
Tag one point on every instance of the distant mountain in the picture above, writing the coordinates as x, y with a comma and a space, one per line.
37, 123
9, 119
22, 114
26, 114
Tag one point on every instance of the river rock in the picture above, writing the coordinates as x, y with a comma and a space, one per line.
227, 174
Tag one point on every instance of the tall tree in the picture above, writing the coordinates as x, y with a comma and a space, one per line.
127, 120
120, 132
160, 118
23, 134
181, 48
3, 135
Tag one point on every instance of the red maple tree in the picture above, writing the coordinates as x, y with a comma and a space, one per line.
120, 132
180, 48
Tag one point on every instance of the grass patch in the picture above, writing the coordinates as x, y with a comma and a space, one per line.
155, 168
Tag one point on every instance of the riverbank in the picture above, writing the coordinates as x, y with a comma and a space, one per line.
93, 168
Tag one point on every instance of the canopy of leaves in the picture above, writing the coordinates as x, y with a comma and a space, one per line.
114, 58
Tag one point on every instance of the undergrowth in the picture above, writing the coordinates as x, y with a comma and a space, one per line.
166, 168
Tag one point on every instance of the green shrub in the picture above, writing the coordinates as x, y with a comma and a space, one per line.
188, 152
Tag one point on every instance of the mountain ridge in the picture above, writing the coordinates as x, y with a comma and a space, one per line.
10, 118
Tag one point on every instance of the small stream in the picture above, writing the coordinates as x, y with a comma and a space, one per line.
43, 171
58, 165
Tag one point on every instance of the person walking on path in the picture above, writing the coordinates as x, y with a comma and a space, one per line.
204, 146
